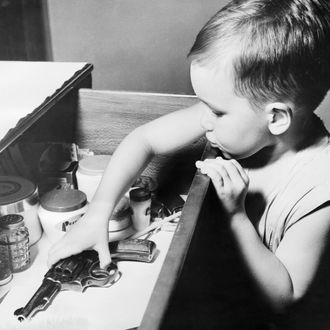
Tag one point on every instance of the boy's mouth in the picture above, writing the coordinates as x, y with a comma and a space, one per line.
211, 139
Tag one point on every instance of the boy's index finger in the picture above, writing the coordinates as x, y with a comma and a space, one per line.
241, 170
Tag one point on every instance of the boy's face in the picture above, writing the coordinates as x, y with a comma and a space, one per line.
232, 124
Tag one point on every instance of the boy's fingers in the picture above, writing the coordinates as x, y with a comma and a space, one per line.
57, 254
216, 178
61, 250
218, 167
237, 177
230, 168
54, 257
104, 257
241, 170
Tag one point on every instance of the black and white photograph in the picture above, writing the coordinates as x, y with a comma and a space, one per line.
164, 165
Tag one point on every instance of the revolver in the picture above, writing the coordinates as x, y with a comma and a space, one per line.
82, 270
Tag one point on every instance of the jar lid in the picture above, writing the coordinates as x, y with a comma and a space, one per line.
11, 221
139, 194
94, 165
14, 189
63, 200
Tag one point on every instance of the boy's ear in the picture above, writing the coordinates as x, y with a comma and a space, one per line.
279, 117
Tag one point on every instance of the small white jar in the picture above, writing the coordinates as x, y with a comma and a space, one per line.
59, 210
89, 173
140, 201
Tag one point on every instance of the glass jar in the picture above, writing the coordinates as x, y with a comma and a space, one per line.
6, 274
5, 264
14, 236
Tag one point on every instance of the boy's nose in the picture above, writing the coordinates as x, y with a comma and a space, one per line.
207, 120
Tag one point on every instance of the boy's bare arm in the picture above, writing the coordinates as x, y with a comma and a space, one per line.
302, 247
285, 276
161, 136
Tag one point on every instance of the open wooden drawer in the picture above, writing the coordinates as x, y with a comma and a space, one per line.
202, 283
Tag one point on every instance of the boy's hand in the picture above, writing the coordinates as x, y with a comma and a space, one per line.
230, 182
83, 235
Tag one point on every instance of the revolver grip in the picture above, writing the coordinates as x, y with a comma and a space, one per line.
133, 249
40, 300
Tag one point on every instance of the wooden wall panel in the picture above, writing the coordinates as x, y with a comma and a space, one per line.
106, 117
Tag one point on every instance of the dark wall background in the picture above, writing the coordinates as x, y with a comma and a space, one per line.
134, 45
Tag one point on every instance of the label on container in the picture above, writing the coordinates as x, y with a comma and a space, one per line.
66, 225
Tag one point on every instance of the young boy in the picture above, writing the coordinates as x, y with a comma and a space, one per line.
259, 69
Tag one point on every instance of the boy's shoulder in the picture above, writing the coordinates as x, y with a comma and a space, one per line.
304, 188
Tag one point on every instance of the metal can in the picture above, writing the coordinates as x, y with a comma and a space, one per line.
20, 196
15, 236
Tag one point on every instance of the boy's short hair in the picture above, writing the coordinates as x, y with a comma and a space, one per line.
280, 49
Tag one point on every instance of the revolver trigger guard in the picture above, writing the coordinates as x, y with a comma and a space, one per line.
114, 280
104, 276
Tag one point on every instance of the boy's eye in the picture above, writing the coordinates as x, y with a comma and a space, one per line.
217, 112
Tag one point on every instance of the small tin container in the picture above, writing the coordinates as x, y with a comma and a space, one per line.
15, 236
20, 196
140, 201
59, 210
89, 173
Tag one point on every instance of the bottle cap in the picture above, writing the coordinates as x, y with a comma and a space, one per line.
94, 165
146, 182
63, 200
11, 221
139, 194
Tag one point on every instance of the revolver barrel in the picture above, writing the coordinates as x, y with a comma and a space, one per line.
40, 300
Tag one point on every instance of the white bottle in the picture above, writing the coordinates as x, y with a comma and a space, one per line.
89, 173
140, 201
